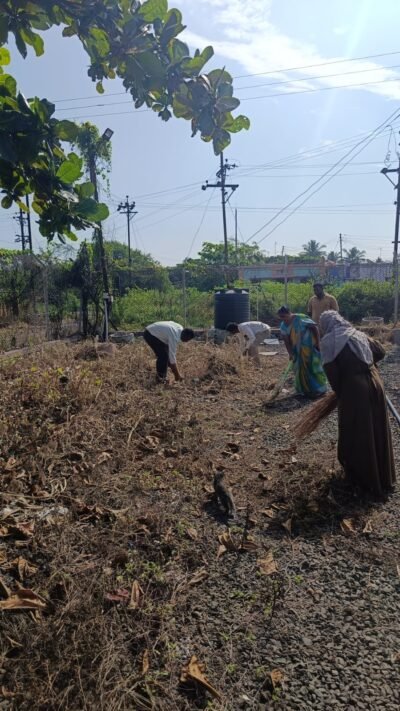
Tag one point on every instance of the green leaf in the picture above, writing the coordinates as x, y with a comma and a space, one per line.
33, 40
71, 235
3, 29
173, 27
100, 87
182, 107
217, 76
234, 125
92, 210
8, 85
102, 44
70, 170
7, 202
178, 50
227, 104
5, 57
21, 46
154, 9
43, 109
85, 190
224, 90
37, 207
221, 140
194, 65
22, 206
153, 68
66, 130
69, 31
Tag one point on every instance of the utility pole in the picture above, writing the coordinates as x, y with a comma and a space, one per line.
20, 237
28, 222
341, 254
99, 233
223, 185
386, 171
236, 237
128, 208
184, 296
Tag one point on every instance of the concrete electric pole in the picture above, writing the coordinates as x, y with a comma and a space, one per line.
386, 171
128, 208
223, 185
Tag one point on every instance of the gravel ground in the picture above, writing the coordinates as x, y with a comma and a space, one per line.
337, 635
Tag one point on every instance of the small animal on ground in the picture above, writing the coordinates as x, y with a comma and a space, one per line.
223, 494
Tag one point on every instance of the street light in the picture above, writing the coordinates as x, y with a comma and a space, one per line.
108, 134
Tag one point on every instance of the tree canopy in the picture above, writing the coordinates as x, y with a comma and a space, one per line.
314, 249
134, 41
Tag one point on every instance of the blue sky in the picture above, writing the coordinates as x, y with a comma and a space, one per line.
292, 140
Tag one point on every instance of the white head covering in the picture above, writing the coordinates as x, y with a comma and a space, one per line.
337, 333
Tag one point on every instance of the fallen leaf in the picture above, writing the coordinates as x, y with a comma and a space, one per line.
145, 662
226, 540
194, 671
267, 565
269, 512
368, 527
3, 557
199, 576
10, 464
287, 525
121, 595
208, 489
136, 596
192, 533
25, 569
24, 599
396, 657
103, 457
347, 527
276, 677
294, 460
25, 529
248, 545
4, 591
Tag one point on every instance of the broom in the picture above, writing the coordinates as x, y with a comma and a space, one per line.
315, 415
279, 385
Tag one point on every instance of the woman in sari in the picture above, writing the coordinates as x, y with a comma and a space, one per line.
365, 443
301, 337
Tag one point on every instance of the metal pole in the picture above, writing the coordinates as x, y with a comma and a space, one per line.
184, 296
224, 208
21, 222
28, 219
99, 238
286, 280
236, 236
396, 250
128, 217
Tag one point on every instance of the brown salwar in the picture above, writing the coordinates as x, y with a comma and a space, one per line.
365, 443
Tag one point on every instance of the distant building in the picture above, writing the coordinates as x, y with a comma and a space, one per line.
325, 271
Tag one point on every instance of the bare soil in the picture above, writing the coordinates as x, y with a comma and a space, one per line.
121, 568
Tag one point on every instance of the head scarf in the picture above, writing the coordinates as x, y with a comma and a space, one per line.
337, 333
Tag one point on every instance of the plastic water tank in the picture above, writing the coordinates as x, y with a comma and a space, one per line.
231, 305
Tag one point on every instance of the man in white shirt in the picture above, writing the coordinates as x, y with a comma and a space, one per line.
254, 333
163, 338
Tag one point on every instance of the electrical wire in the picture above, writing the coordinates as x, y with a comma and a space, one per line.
338, 165
200, 224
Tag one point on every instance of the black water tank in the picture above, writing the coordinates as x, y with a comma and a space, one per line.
231, 305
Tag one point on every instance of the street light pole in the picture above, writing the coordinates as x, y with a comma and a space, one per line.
385, 172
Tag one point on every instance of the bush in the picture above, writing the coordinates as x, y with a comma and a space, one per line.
140, 307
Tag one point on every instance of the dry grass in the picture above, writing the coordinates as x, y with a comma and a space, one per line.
110, 475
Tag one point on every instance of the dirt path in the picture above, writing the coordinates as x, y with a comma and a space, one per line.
106, 495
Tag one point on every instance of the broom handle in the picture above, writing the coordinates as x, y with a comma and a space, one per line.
393, 410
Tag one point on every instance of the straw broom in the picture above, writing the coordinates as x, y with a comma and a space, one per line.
279, 385
315, 415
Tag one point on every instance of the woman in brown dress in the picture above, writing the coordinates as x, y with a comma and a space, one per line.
365, 443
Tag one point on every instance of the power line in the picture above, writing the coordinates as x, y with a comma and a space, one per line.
245, 98
266, 73
365, 141
200, 225
319, 76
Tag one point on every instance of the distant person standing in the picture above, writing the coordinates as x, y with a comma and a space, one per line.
254, 333
320, 302
163, 338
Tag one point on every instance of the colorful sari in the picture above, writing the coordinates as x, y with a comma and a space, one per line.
310, 379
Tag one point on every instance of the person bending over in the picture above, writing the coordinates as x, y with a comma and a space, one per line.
254, 333
163, 338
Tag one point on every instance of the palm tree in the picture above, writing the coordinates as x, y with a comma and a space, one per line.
314, 249
354, 255
333, 256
